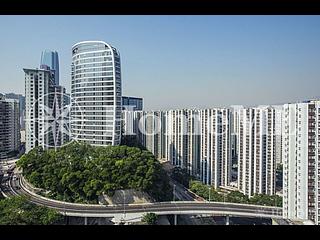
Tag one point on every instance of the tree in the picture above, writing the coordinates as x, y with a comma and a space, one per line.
203, 191
19, 211
150, 218
267, 200
79, 172
236, 197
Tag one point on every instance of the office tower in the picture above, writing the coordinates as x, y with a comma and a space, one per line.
9, 127
96, 90
45, 120
22, 104
132, 103
300, 155
215, 158
50, 61
256, 157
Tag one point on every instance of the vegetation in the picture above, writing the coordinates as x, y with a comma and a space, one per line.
234, 196
18, 211
150, 218
203, 191
262, 199
80, 172
182, 176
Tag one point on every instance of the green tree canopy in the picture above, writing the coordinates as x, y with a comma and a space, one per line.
79, 172
150, 218
19, 211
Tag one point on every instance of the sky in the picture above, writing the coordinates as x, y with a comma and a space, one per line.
179, 61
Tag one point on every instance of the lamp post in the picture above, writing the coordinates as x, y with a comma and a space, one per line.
209, 194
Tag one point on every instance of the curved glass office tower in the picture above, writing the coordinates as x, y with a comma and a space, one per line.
50, 59
96, 93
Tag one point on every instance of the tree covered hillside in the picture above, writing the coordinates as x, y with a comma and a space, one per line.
79, 172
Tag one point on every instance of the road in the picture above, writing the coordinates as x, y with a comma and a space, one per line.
17, 187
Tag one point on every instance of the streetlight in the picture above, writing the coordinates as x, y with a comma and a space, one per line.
209, 194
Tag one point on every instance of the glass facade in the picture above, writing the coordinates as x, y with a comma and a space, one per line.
50, 60
132, 103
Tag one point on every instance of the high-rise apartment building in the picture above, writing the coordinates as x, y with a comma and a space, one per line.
45, 122
196, 140
278, 133
256, 156
50, 61
22, 106
96, 93
301, 165
9, 126
234, 129
215, 156
176, 137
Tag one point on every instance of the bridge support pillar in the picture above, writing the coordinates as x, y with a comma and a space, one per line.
175, 219
227, 220
85, 221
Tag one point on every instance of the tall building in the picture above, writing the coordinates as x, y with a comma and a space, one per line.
193, 142
9, 126
215, 158
50, 61
152, 124
45, 123
96, 90
256, 156
234, 129
132, 103
176, 137
196, 140
278, 133
300, 155
22, 106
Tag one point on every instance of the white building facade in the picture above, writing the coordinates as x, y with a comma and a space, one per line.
215, 156
46, 126
96, 93
256, 146
300, 155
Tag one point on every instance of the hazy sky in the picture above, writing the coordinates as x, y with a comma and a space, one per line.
179, 61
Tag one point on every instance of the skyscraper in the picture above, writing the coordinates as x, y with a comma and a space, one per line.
50, 60
96, 90
301, 161
9, 126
